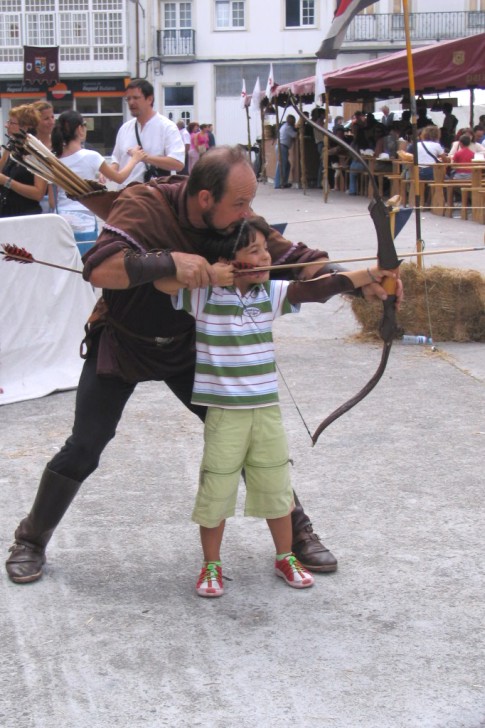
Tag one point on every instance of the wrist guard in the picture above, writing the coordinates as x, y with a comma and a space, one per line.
148, 267
331, 268
319, 290
337, 268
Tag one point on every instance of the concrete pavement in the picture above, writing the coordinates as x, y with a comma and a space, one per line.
114, 634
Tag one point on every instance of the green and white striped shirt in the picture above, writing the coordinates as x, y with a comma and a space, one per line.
235, 365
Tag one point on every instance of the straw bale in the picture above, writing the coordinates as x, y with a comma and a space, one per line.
447, 304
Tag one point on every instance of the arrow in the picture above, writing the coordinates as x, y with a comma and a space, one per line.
323, 261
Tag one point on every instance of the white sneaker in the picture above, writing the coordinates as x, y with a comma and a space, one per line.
209, 583
293, 572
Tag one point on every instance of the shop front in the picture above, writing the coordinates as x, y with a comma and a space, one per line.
100, 101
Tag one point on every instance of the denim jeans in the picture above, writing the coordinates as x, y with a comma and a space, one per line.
280, 180
356, 166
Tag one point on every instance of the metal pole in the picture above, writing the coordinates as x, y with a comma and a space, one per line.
412, 95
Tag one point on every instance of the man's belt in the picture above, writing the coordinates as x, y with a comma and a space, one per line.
154, 340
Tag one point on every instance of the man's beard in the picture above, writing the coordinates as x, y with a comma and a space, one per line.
217, 245
208, 218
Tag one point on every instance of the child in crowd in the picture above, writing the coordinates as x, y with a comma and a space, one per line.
235, 377
463, 154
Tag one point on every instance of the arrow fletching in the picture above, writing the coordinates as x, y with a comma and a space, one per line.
20, 255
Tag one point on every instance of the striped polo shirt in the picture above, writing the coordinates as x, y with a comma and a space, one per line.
235, 366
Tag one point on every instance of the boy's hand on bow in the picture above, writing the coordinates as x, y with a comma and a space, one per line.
222, 274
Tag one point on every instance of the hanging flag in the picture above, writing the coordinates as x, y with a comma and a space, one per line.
270, 84
256, 97
344, 12
319, 79
41, 65
244, 96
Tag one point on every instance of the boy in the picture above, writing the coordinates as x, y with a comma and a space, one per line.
236, 379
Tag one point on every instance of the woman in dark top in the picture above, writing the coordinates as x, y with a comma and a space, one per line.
20, 190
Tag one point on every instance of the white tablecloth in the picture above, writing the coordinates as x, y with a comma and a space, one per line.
42, 310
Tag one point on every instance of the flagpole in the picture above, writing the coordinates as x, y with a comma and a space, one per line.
262, 150
321, 96
249, 132
412, 95
325, 150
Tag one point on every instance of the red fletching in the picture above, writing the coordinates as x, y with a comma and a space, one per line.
20, 255
242, 268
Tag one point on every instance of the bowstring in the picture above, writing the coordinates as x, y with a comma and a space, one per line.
426, 293
278, 368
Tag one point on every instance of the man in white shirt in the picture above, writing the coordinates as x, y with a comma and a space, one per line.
186, 140
154, 133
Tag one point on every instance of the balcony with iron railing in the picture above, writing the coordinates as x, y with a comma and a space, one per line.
176, 42
374, 30
389, 27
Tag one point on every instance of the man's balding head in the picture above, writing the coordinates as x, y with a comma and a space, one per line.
212, 170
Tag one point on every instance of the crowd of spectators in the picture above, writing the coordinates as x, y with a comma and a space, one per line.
147, 145
384, 137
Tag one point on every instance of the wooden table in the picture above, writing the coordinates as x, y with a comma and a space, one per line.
443, 189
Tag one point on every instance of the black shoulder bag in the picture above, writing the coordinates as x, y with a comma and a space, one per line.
151, 171
449, 170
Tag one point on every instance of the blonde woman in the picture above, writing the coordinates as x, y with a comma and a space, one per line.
20, 190
430, 152
46, 124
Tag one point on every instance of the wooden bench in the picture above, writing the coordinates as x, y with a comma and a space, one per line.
478, 204
380, 177
442, 194
394, 183
407, 192
466, 194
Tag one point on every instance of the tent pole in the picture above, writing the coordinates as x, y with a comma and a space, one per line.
325, 151
415, 169
279, 161
472, 101
301, 143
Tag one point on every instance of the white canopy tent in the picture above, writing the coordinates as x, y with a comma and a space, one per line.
42, 310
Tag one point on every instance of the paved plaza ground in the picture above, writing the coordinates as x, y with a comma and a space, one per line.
114, 635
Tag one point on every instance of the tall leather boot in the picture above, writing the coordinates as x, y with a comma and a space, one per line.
307, 546
53, 498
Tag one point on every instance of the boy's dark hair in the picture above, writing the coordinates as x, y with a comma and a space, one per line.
244, 234
465, 140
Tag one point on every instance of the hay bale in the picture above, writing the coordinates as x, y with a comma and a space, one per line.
445, 303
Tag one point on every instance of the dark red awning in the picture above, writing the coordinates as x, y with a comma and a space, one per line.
445, 66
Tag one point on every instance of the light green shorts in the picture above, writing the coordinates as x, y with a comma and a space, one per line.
253, 439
